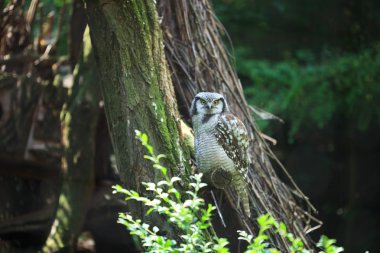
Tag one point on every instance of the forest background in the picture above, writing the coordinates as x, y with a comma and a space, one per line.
315, 64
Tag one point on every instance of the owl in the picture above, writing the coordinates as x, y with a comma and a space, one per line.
221, 144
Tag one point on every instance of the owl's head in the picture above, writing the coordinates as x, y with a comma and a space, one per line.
208, 103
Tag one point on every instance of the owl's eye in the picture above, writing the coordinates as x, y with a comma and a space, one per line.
203, 102
215, 102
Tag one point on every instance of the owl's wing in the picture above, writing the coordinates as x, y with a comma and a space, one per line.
233, 137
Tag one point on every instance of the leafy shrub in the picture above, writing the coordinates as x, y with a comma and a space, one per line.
190, 215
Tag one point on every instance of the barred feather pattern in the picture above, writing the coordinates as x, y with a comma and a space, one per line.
221, 142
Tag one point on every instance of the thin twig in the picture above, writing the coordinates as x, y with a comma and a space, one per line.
218, 209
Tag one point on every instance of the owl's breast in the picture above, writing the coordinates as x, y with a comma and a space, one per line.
210, 155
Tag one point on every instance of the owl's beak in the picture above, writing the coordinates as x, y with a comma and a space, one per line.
209, 105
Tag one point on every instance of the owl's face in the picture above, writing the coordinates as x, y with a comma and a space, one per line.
208, 103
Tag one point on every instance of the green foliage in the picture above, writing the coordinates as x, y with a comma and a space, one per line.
294, 63
312, 93
188, 213
328, 245
190, 216
259, 244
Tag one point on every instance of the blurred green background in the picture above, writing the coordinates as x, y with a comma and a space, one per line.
316, 65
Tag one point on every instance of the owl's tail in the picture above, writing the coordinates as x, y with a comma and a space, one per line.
242, 191
245, 201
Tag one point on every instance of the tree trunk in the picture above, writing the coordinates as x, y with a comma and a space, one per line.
137, 90
79, 121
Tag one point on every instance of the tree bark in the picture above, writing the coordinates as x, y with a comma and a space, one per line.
79, 121
137, 91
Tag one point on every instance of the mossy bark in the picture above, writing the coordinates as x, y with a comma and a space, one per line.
136, 87
138, 94
79, 119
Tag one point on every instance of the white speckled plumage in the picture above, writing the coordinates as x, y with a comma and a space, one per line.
221, 141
